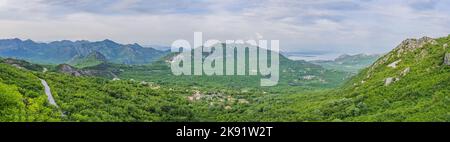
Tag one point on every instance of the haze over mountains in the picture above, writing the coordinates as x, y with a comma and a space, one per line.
110, 60
66, 51
349, 63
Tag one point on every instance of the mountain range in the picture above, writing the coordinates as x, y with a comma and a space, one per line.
66, 51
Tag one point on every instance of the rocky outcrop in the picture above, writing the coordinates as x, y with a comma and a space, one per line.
447, 59
406, 46
406, 71
228, 108
65, 68
309, 77
413, 44
390, 80
196, 96
394, 64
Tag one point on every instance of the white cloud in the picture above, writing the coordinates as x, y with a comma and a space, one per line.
309, 25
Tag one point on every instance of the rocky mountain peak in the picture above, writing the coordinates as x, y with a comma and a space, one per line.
109, 42
412, 58
405, 47
412, 44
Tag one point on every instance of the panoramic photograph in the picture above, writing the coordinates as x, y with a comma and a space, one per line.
224, 61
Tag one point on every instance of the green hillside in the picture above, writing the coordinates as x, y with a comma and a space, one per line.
22, 97
411, 83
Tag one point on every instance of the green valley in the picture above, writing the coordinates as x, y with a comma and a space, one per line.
410, 83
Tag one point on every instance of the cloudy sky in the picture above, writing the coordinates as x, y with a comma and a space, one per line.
322, 26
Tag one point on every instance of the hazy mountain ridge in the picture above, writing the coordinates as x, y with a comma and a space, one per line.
59, 52
349, 63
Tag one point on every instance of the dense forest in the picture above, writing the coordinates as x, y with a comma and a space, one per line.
411, 83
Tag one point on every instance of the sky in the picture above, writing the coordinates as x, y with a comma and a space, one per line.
306, 26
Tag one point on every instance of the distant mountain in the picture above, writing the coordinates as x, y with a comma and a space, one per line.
92, 59
158, 47
349, 63
65, 51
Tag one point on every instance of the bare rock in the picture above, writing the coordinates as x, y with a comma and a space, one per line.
228, 107
243, 101
390, 80
65, 68
394, 64
196, 96
406, 71
412, 44
447, 59
17, 66
308, 77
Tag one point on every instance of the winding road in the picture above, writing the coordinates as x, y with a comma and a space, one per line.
48, 92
